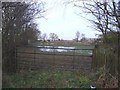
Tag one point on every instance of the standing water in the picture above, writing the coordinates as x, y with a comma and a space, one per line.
64, 49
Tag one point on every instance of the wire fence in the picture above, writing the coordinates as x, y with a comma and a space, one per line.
49, 57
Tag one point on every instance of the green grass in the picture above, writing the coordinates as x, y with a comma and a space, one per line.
47, 79
85, 47
64, 43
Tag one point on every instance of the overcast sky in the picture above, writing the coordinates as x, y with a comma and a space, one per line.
63, 20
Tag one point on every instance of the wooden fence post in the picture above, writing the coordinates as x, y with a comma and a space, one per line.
73, 58
93, 58
34, 57
16, 59
53, 58
16, 65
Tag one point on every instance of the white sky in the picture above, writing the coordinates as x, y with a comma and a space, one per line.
64, 21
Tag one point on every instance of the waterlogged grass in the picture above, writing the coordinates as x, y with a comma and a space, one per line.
47, 79
78, 45
85, 46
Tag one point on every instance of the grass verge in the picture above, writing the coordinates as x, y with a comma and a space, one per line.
46, 79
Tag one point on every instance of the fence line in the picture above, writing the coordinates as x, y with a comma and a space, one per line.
53, 59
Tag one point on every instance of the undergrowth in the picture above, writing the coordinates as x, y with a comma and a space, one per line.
46, 79
103, 79
60, 79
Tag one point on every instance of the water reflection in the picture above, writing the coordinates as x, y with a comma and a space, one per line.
63, 49
55, 48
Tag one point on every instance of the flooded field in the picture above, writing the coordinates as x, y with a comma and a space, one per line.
48, 57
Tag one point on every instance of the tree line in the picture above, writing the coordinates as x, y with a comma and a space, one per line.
44, 37
106, 19
17, 28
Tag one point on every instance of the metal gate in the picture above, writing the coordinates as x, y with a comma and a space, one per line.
44, 57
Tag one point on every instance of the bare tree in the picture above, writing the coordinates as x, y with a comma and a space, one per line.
106, 20
82, 37
105, 15
53, 36
44, 36
17, 29
77, 36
